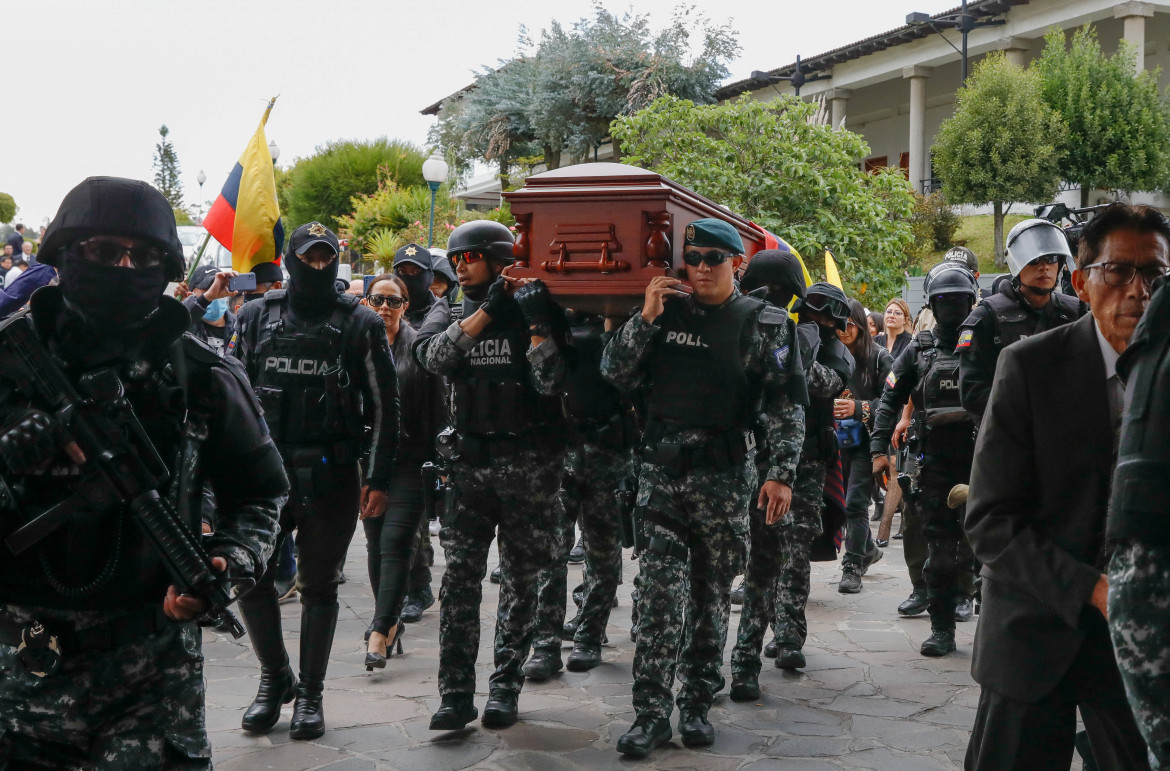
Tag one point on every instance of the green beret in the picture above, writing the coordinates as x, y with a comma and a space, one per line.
714, 232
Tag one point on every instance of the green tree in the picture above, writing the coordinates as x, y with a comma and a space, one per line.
1118, 126
7, 207
560, 99
319, 188
778, 165
166, 169
1002, 145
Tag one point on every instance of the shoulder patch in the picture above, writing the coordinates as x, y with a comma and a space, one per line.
891, 379
781, 357
773, 316
965, 339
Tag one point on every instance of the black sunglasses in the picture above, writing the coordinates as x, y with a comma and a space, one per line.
105, 251
376, 301
693, 258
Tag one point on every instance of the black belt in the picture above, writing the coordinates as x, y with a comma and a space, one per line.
722, 452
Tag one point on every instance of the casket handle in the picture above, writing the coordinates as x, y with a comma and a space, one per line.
605, 264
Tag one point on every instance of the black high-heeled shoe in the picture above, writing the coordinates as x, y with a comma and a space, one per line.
377, 660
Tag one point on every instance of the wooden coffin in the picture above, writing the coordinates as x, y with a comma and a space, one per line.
596, 233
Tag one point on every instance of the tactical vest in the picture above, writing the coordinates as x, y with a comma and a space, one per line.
493, 394
696, 367
301, 380
588, 396
1141, 482
1013, 322
937, 392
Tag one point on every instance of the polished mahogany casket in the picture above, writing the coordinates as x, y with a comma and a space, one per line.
596, 233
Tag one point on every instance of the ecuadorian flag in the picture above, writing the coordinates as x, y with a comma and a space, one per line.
245, 218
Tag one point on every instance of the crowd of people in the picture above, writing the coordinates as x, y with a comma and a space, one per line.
707, 432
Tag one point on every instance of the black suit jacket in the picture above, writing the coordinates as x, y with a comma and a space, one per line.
1036, 513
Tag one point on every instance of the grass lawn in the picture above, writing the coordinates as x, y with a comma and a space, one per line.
977, 233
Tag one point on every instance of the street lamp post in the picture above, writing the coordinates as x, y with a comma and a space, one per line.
273, 150
201, 178
797, 78
962, 21
434, 171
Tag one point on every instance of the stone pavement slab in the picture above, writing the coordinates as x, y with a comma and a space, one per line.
866, 700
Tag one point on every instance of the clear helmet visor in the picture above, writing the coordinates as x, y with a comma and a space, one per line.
1034, 242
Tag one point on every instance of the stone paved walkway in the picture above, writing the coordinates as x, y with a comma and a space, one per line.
867, 699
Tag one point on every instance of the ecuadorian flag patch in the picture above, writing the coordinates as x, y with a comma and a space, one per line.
965, 340
891, 379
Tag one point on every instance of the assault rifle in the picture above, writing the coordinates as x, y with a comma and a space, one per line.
436, 477
122, 466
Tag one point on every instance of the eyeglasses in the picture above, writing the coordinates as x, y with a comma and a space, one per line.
693, 258
1122, 273
106, 251
894, 312
391, 302
469, 257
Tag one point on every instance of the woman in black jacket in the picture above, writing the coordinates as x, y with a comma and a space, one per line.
855, 412
390, 538
898, 327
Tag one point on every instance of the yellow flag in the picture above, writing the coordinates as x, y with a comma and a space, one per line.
831, 274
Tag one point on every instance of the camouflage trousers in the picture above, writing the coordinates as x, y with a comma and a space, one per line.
776, 583
592, 474
517, 496
700, 519
140, 705
1139, 623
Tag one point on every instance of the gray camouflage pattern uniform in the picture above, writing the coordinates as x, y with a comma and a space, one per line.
1139, 620
516, 494
777, 579
711, 506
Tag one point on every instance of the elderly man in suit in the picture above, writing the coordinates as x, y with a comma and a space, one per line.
1036, 517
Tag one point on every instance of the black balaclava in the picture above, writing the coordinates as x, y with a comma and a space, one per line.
950, 310
779, 271
419, 284
311, 291
110, 297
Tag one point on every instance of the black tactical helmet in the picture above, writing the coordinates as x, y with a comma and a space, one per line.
118, 207
963, 256
950, 278
486, 236
825, 298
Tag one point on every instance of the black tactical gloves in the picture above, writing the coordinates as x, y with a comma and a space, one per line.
30, 443
536, 303
498, 302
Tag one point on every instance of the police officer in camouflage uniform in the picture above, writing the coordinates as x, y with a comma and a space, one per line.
320, 365
928, 371
1036, 251
504, 369
706, 359
603, 431
777, 584
117, 682
1139, 571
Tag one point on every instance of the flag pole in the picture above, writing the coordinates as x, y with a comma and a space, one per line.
198, 257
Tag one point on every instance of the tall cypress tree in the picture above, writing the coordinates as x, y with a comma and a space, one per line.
166, 170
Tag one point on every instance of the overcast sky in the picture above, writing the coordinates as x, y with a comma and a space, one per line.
89, 82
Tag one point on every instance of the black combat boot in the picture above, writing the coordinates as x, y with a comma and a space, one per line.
543, 664
942, 626
940, 643
693, 727
789, 658
646, 735
914, 605
502, 709
585, 656
455, 712
277, 683
745, 686
317, 625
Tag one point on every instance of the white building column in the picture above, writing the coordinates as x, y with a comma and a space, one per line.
1016, 50
917, 77
1133, 18
838, 101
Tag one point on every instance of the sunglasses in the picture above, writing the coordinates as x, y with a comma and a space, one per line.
1049, 259
105, 251
393, 303
469, 257
693, 258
